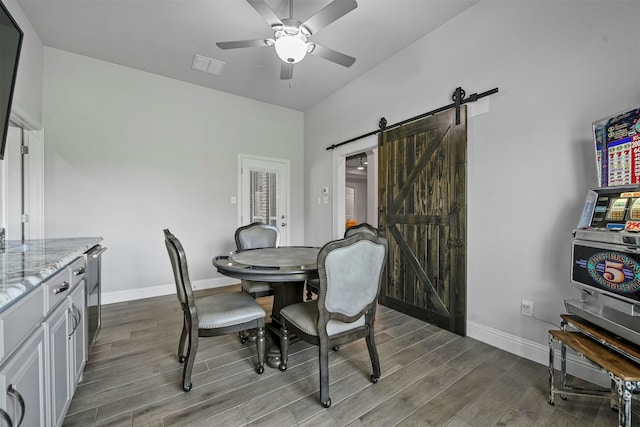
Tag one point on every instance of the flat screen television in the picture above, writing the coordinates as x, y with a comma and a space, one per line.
10, 45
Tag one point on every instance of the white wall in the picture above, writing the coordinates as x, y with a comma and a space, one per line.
558, 66
130, 153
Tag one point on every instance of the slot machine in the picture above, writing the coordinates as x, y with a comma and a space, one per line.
606, 261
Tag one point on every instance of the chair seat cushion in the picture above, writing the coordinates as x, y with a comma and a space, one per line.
254, 287
227, 309
305, 317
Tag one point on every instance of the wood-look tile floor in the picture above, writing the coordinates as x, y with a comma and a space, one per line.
430, 377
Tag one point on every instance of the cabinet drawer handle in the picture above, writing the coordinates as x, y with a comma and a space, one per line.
76, 320
11, 391
63, 288
7, 419
79, 271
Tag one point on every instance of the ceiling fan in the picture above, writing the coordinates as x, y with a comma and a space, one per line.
290, 35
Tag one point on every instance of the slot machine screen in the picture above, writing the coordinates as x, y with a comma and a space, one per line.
617, 209
634, 210
611, 208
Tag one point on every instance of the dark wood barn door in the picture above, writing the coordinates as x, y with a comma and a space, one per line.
422, 190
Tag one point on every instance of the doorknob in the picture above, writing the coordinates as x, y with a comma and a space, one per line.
284, 224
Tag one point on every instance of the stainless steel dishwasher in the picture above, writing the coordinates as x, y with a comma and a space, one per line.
92, 292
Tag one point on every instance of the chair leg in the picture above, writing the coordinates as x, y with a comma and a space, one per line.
192, 349
183, 339
324, 374
373, 354
284, 346
260, 347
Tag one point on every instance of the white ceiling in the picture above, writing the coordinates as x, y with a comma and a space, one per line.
162, 36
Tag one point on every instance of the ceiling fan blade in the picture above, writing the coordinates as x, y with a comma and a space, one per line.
333, 56
266, 12
332, 12
286, 72
242, 43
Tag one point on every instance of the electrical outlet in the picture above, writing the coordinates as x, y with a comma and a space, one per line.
526, 308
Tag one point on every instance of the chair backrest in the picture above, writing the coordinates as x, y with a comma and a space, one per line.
257, 235
350, 272
361, 228
180, 271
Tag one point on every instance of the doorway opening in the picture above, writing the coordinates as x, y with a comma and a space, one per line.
356, 194
355, 191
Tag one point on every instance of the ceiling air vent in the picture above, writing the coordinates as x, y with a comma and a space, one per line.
208, 65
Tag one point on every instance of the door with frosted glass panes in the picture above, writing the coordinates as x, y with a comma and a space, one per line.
264, 193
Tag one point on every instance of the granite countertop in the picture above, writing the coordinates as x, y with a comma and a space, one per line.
24, 268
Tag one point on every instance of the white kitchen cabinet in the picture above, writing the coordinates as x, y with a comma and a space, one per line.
23, 381
43, 330
59, 369
65, 332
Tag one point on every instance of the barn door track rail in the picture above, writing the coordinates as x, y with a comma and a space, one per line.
458, 99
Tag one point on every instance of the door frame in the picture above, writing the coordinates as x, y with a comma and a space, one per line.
284, 184
339, 162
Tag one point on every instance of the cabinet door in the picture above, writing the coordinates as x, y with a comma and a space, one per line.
77, 335
57, 334
22, 379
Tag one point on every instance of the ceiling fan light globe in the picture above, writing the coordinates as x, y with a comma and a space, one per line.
291, 49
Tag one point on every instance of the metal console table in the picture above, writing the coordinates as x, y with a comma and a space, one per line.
619, 358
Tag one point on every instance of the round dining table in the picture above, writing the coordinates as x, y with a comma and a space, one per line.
286, 268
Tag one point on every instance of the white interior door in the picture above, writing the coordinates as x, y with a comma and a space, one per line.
34, 184
349, 203
264, 193
12, 185
23, 185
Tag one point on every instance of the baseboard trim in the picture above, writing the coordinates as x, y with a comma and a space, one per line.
155, 291
536, 352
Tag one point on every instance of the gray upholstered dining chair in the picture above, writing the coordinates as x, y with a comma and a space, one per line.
217, 314
313, 284
350, 272
253, 236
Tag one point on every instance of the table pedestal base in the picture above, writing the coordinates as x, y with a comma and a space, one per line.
283, 294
